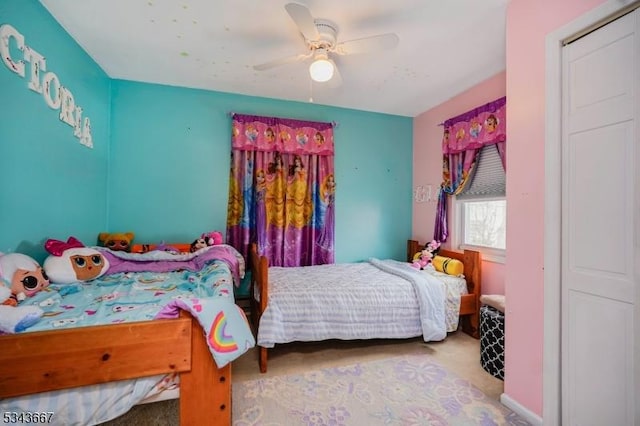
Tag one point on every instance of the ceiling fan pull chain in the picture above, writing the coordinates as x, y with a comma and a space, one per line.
310, 90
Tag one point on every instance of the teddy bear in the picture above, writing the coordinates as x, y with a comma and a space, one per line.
23, 275
71, 261
426, 255
116, 241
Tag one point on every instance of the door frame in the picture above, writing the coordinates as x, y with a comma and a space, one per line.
551, 372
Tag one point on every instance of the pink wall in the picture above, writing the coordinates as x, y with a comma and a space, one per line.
528, 23
427, 164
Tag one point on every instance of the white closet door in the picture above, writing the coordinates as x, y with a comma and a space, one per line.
600, 228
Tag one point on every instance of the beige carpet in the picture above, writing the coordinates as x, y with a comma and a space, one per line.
459, 353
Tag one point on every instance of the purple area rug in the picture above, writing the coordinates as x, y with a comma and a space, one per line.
404, 390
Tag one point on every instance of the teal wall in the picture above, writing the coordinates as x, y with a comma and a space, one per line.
170, 165
160, 161
52, 186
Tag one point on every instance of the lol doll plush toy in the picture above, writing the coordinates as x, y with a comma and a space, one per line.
22, 275
72, 261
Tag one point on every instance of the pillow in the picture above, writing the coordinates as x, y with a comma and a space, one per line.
448, 265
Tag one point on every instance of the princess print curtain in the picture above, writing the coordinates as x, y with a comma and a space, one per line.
282, 189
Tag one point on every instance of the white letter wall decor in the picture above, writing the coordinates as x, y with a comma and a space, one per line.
6, 32
38, 63
55, 95
50, 83
77, 128
67, 107
87, 139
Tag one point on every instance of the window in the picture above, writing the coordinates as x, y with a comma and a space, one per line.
481, 209
484, 223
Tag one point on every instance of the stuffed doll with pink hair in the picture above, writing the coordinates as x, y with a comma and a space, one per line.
71, 261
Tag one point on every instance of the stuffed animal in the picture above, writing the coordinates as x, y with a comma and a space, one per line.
425, 257
14, 319
116, 241
448, 265
206, 239
72, 261
212, 238
198, 244
433, 247
23, 275
422, 259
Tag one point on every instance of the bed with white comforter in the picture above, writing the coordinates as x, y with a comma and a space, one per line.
373, 299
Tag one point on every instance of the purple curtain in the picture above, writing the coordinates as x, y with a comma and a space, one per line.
463, 137
282, 190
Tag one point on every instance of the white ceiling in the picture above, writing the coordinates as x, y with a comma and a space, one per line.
446, 47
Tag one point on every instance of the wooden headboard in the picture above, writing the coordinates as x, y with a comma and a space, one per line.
470, 304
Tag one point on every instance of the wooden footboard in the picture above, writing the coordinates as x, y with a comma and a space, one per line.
42, 361
470, 303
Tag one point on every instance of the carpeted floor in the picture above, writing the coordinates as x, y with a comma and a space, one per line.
402, 390
459, 354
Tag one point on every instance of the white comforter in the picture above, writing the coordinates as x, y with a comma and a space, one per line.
375, 299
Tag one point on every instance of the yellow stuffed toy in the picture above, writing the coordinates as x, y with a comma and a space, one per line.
116, 241
448, 265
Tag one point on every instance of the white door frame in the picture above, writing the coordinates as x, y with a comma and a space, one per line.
551, 397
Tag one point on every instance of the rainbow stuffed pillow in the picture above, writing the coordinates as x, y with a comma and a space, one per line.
448, 265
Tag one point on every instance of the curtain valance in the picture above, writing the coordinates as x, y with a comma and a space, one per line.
285, 135
472, 130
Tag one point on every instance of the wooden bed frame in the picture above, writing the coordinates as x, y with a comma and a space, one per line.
41, 361
469, 304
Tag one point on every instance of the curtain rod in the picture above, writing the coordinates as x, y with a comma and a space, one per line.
335, 124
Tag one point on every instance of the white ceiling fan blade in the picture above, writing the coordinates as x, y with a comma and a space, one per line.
368, 44
303, 19
281, 61
336, 79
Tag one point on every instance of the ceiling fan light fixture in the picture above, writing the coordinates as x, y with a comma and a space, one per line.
321, 69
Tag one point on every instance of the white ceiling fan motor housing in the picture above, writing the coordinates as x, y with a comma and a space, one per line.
327, 35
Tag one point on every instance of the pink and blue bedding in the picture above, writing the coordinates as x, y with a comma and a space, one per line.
142, 287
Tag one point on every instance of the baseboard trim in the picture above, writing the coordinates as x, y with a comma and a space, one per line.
520, 410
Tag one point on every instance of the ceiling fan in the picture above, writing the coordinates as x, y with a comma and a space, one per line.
321, 38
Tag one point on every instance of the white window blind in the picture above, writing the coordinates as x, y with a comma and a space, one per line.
489, 178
